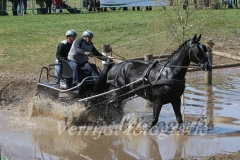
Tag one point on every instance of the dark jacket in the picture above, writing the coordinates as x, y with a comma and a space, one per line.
78, 49
62, 50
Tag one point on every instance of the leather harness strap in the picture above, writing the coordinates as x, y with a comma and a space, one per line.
169, 81
145, 77
159, 74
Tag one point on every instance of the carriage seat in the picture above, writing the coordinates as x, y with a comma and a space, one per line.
67, 73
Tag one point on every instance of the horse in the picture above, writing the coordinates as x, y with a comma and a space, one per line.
159, 82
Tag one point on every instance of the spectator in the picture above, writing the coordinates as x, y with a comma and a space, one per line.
97, 4
49, 6
22, 5
62, 53
113, 9
14, 7
59, 4
78, 55
148, 8
230, 4
91, 5
138, 8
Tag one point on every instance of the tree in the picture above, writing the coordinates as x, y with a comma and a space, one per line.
179, 15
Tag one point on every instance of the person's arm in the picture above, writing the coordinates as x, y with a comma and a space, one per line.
60, 50
99, 55
77, 46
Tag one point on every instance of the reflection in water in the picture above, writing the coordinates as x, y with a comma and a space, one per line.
106, 147
209, 106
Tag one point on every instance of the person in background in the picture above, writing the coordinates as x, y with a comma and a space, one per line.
49, 6
22, 5
14, 7
148, 8
91, 6
97, 5
60, 4
81, 49
113, 9
62, 53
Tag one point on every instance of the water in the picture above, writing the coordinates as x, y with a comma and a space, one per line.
218, 105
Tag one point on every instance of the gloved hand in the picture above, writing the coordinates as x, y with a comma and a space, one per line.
104, 58
109, 60
88, 54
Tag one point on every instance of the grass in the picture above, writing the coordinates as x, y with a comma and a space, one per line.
29, 42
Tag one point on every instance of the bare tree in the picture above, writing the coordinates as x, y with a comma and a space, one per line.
178, 16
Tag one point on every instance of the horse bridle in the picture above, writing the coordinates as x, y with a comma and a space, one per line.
199, 59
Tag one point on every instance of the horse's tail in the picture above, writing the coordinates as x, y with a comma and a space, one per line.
102, 85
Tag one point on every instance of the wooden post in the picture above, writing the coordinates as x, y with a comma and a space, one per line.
148, 58
208, 75
106, 51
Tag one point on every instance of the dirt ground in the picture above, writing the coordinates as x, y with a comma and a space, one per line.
16, 91
232, 156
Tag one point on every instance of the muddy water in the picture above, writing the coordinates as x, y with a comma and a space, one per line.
211, 114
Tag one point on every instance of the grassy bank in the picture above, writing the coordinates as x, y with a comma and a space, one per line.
29, 42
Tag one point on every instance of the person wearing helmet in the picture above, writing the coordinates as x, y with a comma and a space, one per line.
62, 53
81, 49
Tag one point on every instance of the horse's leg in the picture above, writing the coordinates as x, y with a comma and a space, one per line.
114, 102
177, 110
156, 112
117, 100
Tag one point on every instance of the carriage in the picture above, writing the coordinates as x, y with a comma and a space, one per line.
52, 90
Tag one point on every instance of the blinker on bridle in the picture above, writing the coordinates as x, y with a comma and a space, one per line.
196, 55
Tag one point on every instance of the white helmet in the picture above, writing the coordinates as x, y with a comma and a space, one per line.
71, 33
87, 33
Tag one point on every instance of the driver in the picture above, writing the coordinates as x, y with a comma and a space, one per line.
78, 55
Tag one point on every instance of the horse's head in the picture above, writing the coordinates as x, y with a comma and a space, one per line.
198, 54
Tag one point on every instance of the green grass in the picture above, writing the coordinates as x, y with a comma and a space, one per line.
29, 42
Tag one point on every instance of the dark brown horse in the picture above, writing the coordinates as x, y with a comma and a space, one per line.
160, 82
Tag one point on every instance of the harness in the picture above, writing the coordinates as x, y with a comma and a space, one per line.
145, 77
146, 84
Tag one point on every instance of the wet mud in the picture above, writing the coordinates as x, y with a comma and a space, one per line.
210, 112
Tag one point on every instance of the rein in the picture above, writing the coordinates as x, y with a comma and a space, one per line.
173, 66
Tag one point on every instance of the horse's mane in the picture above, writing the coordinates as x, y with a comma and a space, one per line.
176, 52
